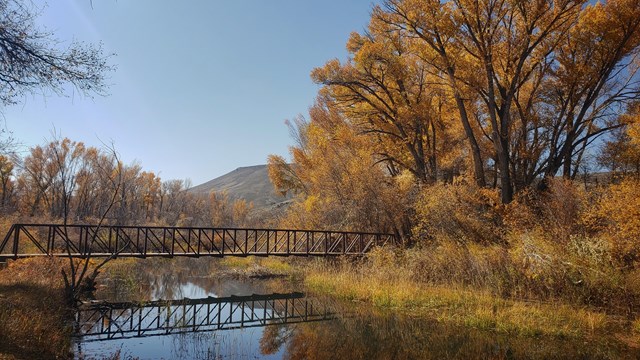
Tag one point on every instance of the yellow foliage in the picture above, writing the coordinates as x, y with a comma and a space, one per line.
616, 217
310, 203
340, 183
458, 212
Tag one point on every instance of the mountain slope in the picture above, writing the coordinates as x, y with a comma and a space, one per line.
250, 183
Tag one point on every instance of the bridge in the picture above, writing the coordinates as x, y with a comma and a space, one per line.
82, 241
108, 321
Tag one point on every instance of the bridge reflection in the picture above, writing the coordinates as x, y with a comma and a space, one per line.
99, 321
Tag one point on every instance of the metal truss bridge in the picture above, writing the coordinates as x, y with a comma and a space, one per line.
81, 241
108, 321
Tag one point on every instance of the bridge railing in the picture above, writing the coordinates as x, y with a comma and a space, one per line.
29, 240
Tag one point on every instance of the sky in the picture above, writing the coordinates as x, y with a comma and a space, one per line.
201, 87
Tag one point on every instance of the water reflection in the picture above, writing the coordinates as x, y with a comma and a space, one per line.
154, 279
273, 326
390, 336
101, 321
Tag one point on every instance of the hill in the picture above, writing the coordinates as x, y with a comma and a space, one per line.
250, 183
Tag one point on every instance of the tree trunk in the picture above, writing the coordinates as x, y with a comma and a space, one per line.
502, 156
478, 164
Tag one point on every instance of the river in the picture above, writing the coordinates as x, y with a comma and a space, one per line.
188, 311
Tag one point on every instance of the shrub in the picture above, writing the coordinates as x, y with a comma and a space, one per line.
458, 212
616, 217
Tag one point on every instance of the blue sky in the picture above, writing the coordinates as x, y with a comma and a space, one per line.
201, 87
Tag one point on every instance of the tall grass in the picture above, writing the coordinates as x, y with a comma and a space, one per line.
557, 262
391, 286
565, 243
34, 316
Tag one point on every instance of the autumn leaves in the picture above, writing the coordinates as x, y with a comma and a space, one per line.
502, 92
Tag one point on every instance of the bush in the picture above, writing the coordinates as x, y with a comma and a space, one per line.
616, 218
458, 212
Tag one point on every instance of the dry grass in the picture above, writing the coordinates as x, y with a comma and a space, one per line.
33, 312
257, 266
478, 309
566, 244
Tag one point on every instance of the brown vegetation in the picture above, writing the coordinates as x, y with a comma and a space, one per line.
538, 266
34, 318
449, 125
64, 180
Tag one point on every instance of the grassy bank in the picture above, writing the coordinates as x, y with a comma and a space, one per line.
459, 306
468, 288
33, 312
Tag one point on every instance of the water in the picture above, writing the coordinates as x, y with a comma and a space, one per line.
222, 318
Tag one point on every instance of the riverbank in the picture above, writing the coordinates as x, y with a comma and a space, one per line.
33, 312
403, 283
399, 282
459, 306
412, 282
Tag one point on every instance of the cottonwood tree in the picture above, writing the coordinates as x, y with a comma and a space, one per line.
32, 60
595, 75
6, 182
339, 183
66, 158
38, 174
621, 153
81, 275
94, 185
540, 79
387, 92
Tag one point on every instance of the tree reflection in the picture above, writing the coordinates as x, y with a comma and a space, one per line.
273, 337
380, 336
360, 334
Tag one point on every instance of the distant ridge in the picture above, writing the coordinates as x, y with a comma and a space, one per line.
250, 183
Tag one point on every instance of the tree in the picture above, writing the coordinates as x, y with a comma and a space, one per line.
31, 61
79, 280
37, 176
67, 157
340, 185
386, 92
621, 152
94, 184
432, 23
542, 79
6, 182
594, 77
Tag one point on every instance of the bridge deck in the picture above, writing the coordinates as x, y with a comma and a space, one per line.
32, 240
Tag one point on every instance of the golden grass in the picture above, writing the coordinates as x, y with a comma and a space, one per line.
277, 265
33, 312
635, 326
268, 266
238, 262
475, 309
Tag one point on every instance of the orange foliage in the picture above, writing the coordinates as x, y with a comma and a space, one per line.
616, 217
